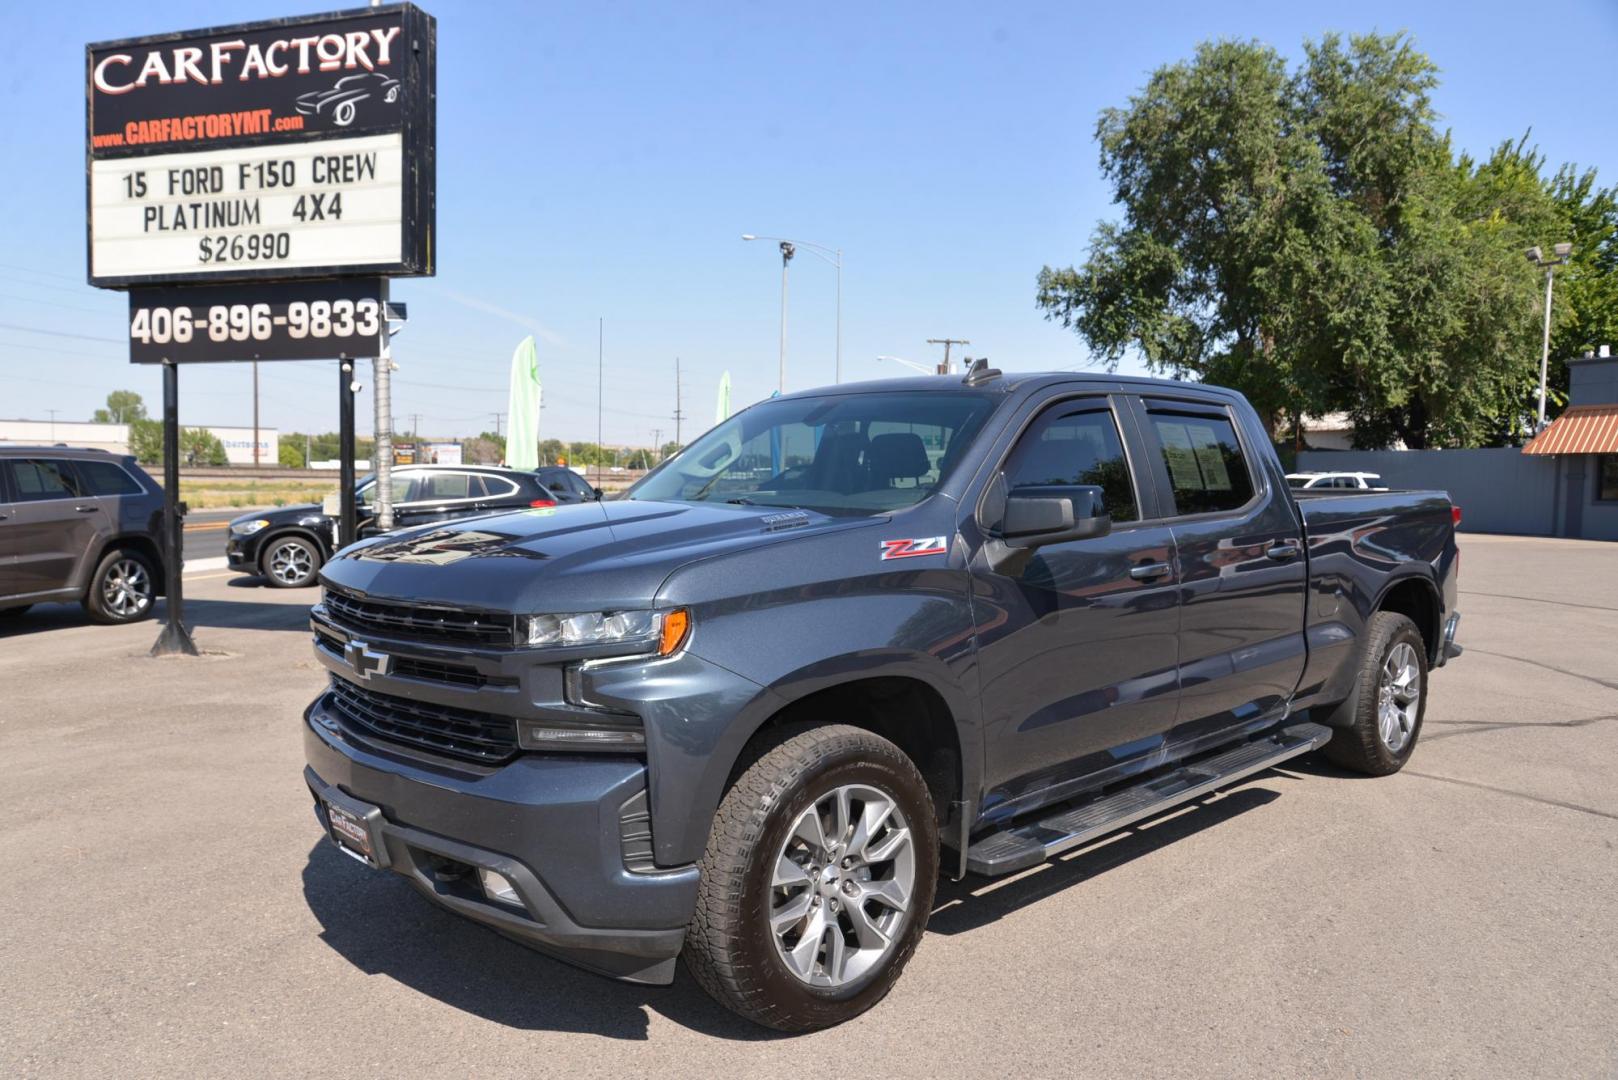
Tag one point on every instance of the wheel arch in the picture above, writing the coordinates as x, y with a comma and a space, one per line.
1416, 597
140, 542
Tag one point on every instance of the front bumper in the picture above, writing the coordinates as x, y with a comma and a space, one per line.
553, 825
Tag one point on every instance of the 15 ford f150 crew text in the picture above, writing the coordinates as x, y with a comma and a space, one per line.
846, 641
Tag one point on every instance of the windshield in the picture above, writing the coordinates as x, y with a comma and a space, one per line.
850, 454
1299, 481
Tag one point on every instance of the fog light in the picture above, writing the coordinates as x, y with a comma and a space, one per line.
497, 886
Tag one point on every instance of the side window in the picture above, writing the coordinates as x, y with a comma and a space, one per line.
1206, 466
580, 487
105, 478
404, 486
1075, 443
499, 487
444, 486
36, 480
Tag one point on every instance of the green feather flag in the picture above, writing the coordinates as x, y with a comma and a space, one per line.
522, 444
723, 412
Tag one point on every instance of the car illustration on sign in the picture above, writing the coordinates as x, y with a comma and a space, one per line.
341, 102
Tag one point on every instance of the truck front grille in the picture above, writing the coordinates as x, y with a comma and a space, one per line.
422, 623
458, 733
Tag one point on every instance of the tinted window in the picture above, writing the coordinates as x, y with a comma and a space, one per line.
1206, 468
441, 486
1075, 445
105, 478
1297, 481
579, 486
498, 487
39, 479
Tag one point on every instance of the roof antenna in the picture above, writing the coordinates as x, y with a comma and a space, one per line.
980, 372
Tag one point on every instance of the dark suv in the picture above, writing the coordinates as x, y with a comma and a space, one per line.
288, 545
79, 525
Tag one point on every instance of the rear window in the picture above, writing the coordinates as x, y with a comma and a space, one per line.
105, 478
39, 479
447, 486
1207, 471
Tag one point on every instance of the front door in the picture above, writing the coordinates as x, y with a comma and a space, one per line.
1242, 574
54, 524
1079, 649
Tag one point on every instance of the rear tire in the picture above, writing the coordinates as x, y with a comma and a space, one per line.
817, 881
291, 562
1375, 731
123, 588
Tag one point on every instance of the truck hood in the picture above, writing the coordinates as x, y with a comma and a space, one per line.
600, 556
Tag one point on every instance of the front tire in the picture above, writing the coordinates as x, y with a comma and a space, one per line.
817, 880
291, 562
123, 588
1375, 731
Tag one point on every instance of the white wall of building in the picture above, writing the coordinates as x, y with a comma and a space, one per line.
113, 438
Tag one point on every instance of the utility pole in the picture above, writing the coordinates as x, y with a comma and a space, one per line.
499, 416
946, 342
678, 414
255, 414
657, 442
53, 413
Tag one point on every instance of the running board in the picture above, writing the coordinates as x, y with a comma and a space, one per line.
1020, 846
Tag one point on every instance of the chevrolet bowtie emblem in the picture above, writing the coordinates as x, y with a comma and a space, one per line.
365, 662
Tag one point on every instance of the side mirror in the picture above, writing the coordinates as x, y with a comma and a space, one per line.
599, 494
1037, 516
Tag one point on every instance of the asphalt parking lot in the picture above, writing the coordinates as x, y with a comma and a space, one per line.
171, 908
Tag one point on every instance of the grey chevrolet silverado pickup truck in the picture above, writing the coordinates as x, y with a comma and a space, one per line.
846, 641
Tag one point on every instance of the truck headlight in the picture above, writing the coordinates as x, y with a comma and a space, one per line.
247, 528
662, 630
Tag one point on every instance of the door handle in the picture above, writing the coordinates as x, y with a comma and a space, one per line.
1282, 552
1148, 571
85, 509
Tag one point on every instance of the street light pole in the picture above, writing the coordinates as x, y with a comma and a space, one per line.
834, 256
787, 251
1562, 253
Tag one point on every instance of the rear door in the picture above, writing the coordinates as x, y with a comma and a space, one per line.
55, 524
1079, 649
1242, 574
441, 495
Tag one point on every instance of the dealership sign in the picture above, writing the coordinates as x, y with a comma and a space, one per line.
294, 148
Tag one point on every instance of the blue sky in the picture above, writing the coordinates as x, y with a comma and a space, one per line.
602, 160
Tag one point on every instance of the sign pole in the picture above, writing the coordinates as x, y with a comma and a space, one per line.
345, 442
174, 639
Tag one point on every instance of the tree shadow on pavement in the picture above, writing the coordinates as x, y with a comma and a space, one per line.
382, 926
965, 905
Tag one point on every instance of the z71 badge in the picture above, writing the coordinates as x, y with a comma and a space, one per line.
909, 549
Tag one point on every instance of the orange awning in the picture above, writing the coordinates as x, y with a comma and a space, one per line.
1582, 429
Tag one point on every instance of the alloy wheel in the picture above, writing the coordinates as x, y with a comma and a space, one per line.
291, 563
126, 590
1399, 696
841, 887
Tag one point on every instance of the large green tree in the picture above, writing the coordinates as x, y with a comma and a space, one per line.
123, 407
1308, 237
